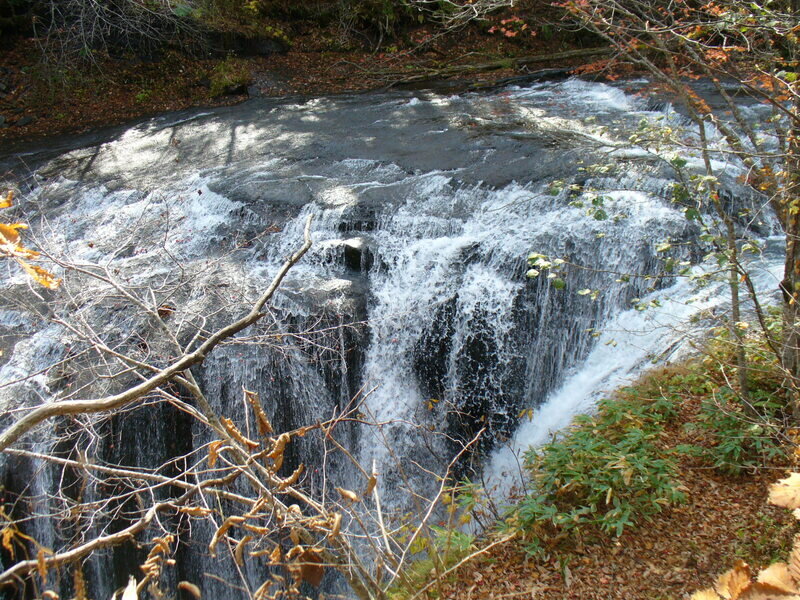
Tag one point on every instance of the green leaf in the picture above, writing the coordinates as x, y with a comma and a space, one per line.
678, 162
692, 214
559, 283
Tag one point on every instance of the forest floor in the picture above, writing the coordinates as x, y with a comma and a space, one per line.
36, 103
679, 551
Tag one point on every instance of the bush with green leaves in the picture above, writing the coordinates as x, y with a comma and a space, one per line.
605, 473
738, 433
440, 549
741, 438
230, 76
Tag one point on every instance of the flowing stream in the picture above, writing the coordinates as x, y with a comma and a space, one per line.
413, 300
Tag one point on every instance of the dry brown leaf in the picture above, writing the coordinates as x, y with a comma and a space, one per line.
237, 435
371, 482
50, 595
258, 530
195, 511
213, 452
280, 446
786, 492
731, 584
347, 494
260, 503
778, 578
161, 545
758, 591
708, 594
191, 588
794, 560
336, 524
294, 552
277, 463
223, 529
41, 565
276, 556
311, 568
262, 593
262, 422
294, 535
238, 553
292, 479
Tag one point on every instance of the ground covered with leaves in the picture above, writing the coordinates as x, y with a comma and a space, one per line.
725, 458
680, 551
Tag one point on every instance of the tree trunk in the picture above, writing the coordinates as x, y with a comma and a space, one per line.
790, 286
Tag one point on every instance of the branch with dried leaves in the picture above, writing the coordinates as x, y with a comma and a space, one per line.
177, 368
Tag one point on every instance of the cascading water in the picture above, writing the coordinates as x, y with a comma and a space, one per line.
413, 297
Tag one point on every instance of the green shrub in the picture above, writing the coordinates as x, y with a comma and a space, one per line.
230, 74
143, 96
742, 436
441, 549
740, 440
607, 472
613, 470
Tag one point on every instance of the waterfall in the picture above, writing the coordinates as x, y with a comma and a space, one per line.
413, 299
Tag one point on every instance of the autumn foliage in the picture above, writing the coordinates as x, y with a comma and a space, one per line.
12, 246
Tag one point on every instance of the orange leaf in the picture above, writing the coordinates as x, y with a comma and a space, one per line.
9, 232
41, 565
41, 276
7, 537
213, 452
8, 201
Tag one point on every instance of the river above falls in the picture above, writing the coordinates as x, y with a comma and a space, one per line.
413, 299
